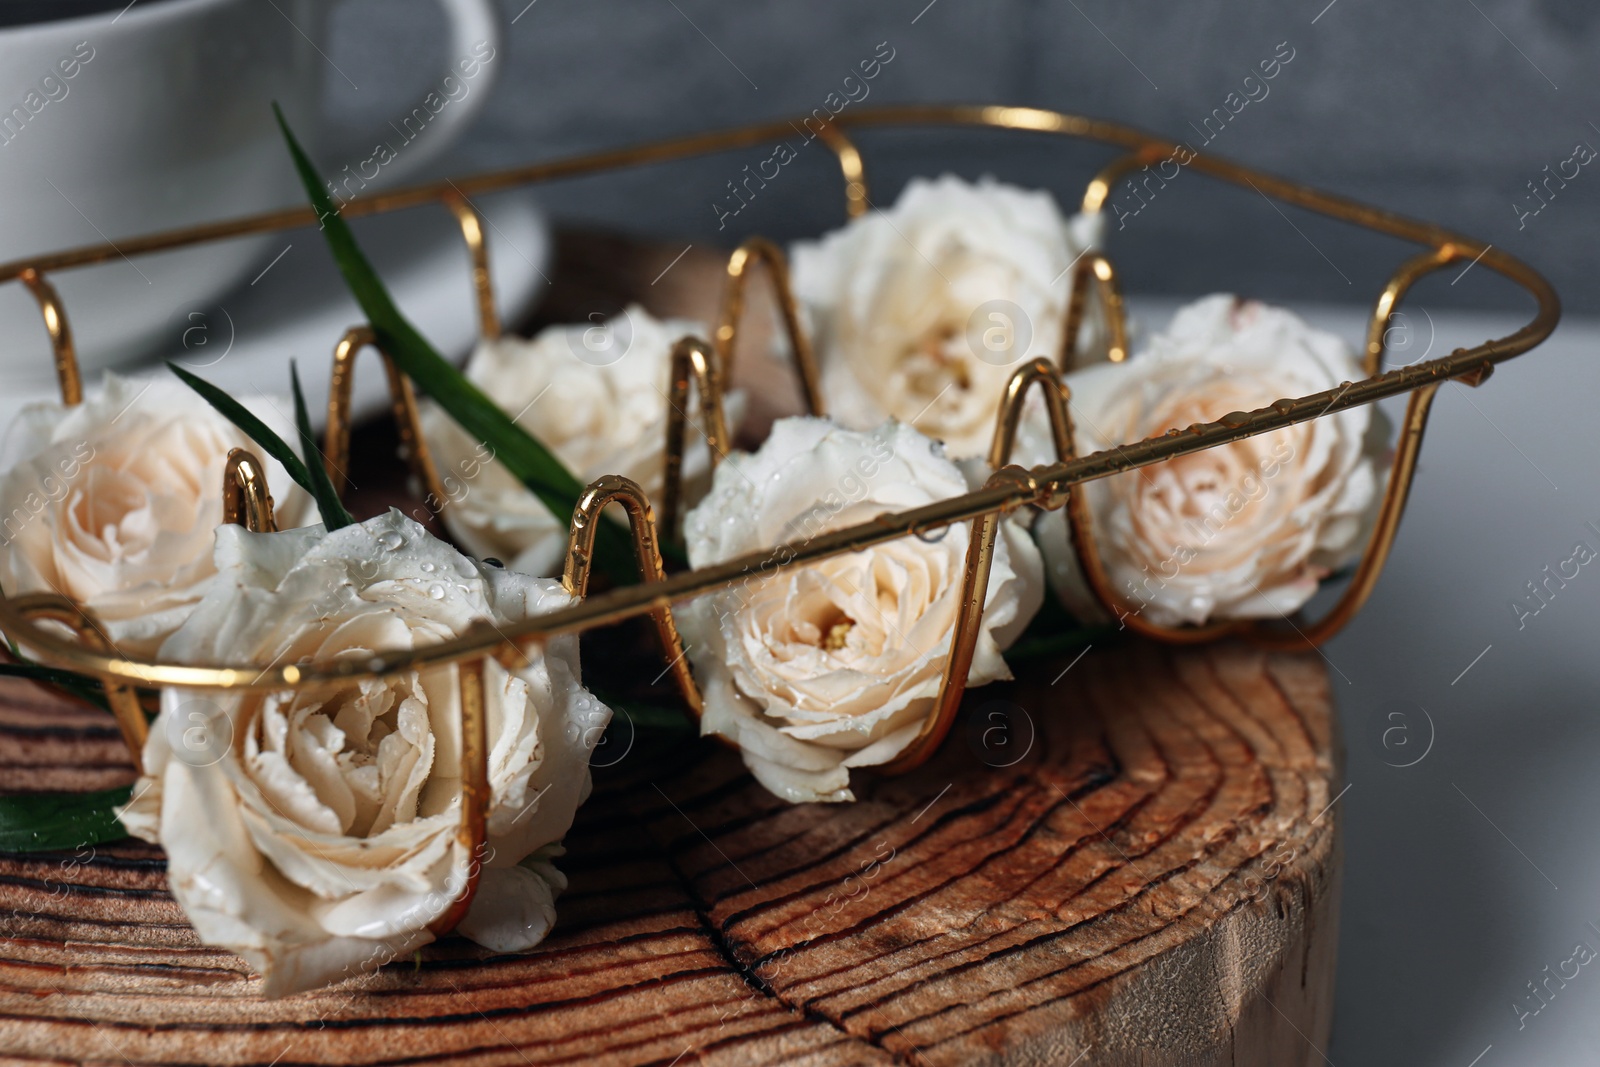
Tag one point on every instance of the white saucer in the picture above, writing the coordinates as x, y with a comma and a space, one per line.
298, 306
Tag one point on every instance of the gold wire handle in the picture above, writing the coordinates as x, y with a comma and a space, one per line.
1094, 268
732, 315
402, 402
246, 499
124, 702
471, 222
614, 488
55, 322
692, 361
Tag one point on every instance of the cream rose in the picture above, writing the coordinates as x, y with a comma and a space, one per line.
315, 834
1244, 530
595, 396
922, 312
836, 664
113, 503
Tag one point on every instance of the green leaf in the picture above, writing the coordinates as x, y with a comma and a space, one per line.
83, 686
45, 822
334, 515
648, 717
333, 512
528, 460
641, 736
1036, 646
1053, 631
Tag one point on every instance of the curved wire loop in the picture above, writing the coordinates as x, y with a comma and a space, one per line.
1098, 191
124, 702
1041, 372
1380, 540
732, 314
1094, 268
1395, 290
692, 361
1402, 469
471, 222
609, 489
984, 532
851, 166
403, 404
476, 793
1058, 400
55, 321
246, 500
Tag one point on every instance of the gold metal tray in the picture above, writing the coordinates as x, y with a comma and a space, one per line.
705, 363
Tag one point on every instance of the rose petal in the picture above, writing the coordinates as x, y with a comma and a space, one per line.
837, 663
600, 410
1244, 530
331, 824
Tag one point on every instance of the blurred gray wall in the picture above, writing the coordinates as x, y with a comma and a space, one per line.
1442, 109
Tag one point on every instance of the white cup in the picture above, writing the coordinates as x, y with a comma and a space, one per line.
157, 115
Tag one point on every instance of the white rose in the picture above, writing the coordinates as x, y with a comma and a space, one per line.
113, 503
595, 396
315, 834
922, 312
1244, 530
836, 664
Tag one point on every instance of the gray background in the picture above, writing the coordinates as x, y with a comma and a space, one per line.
1469, 872
1438, 109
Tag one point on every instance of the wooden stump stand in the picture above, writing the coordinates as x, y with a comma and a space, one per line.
1128, 863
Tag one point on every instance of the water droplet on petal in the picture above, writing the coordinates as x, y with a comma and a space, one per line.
391, 540
436, 591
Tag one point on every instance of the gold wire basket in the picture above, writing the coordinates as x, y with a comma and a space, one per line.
705, 364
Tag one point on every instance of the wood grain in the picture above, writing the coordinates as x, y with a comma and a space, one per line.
1147, 882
